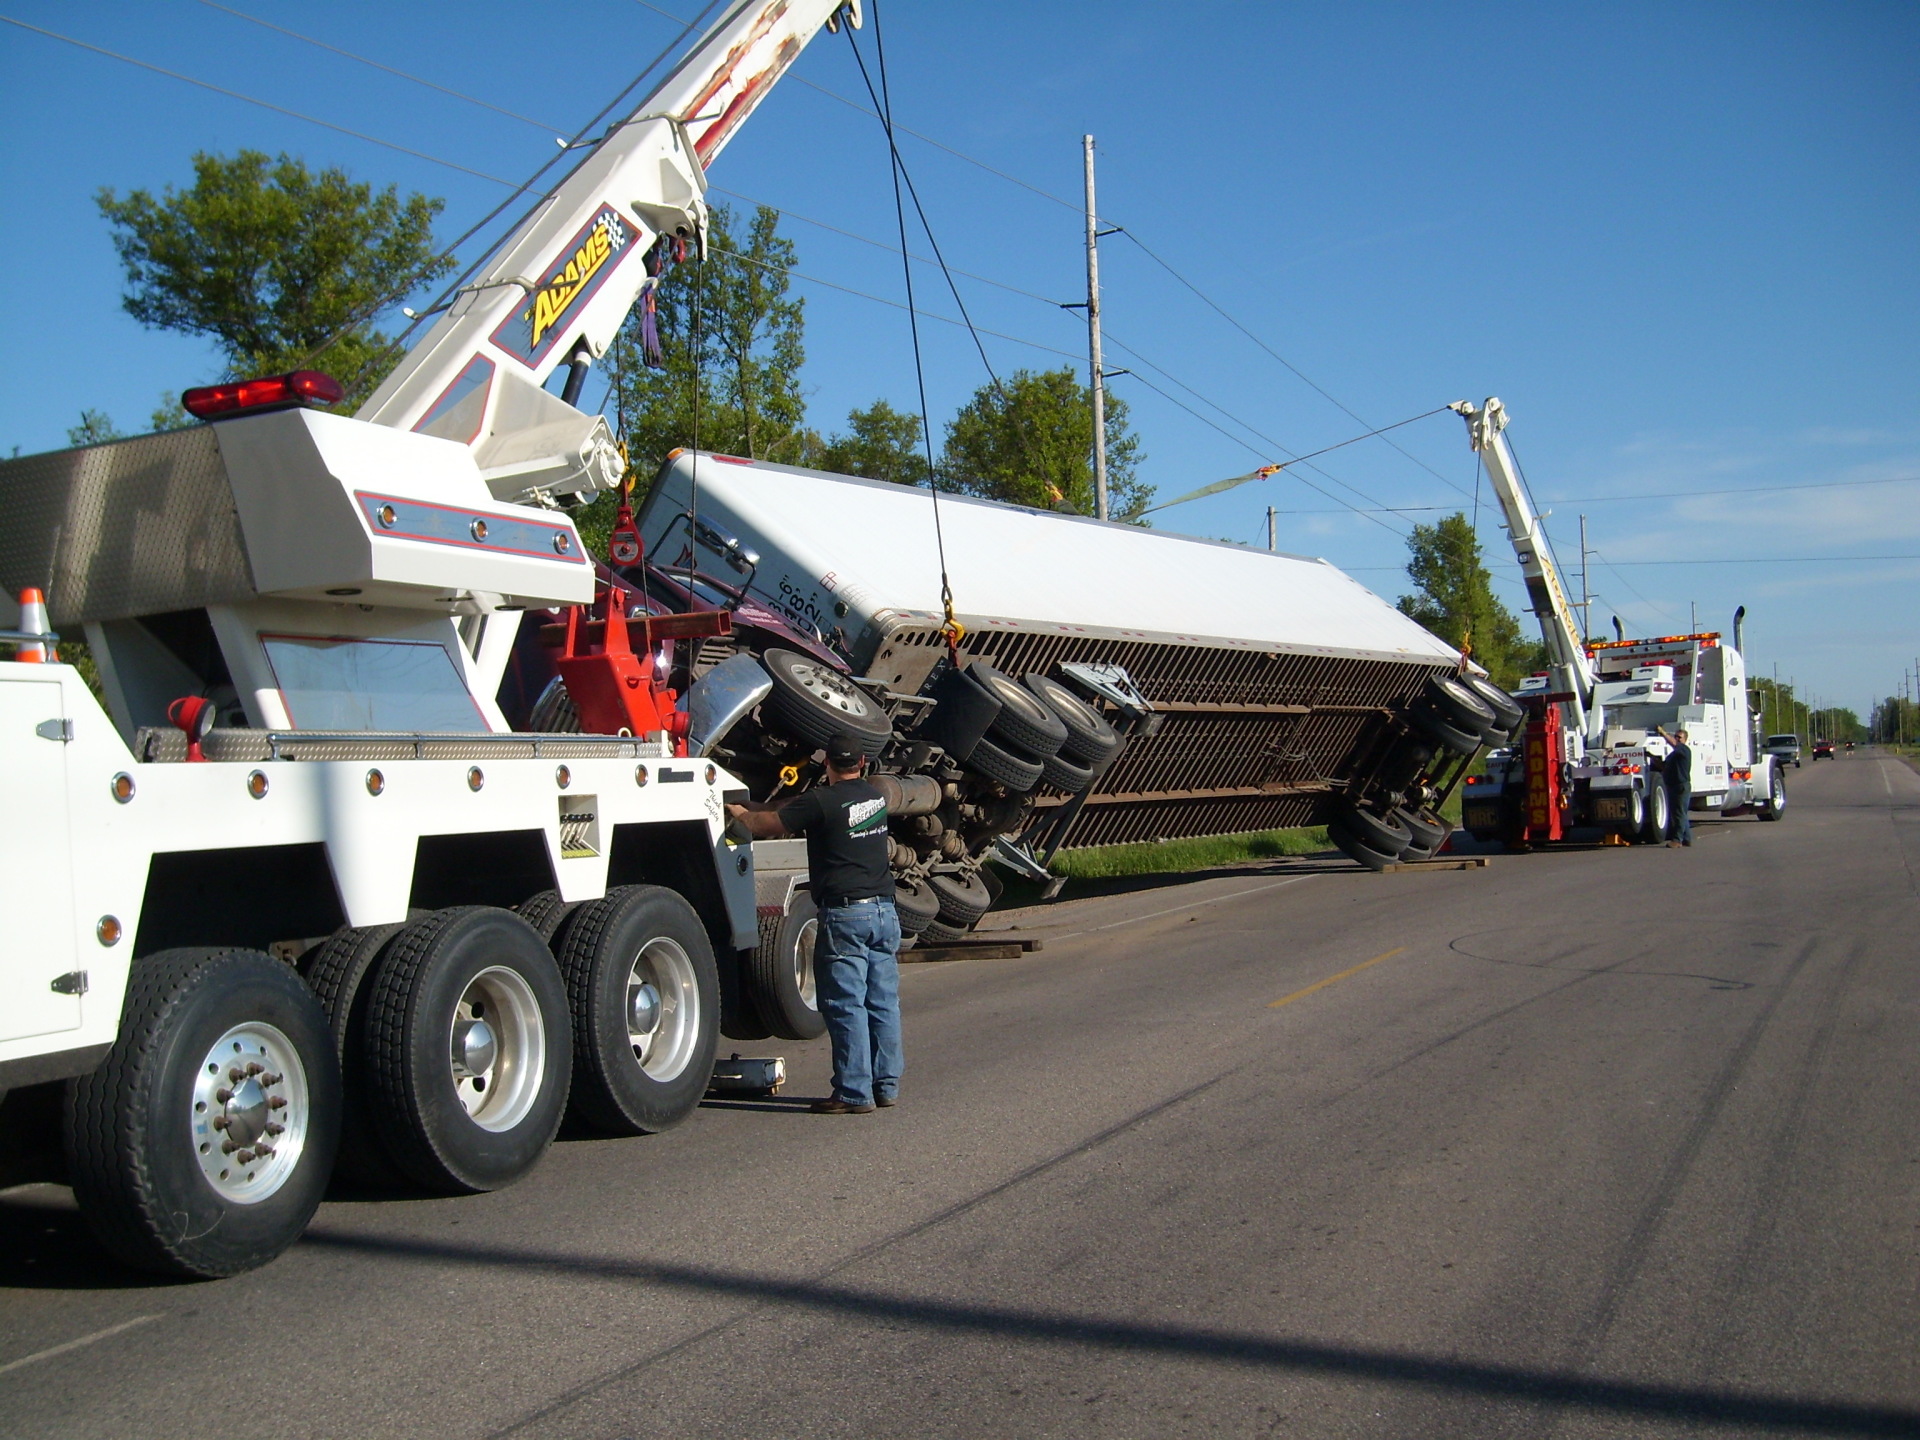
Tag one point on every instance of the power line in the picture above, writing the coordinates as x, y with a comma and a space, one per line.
375, 64
254, 100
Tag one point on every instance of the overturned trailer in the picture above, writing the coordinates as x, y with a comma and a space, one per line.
1271, 690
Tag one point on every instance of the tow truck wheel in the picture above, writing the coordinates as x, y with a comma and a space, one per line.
781, 974
646, 1009
1659, 816
201, 1146
546, 912
336, 971
1775, 805
467, 1045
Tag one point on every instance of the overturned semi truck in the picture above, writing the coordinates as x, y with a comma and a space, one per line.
1109, 683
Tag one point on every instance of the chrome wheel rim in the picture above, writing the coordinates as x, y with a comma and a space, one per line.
663, 1009
831, 689
251, 1108
803, 964
497, 1048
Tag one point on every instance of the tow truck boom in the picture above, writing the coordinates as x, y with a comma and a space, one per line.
558, 290
1572, 671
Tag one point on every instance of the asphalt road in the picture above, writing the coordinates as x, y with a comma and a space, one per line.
1596, 1142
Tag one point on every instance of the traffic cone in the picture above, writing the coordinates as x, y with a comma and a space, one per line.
33, 621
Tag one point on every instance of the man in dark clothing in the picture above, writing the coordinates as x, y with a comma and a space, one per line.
1677, 771
856, 967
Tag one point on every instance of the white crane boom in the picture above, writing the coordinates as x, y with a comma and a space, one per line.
1567, 658
558, 290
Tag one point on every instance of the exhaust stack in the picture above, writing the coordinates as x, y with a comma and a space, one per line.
1740, 630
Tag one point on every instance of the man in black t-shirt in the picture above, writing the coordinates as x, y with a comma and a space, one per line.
856, 968
1677, 774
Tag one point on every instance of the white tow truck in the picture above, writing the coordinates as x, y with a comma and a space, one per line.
1590, 754
300, 622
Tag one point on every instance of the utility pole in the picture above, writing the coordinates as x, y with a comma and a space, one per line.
1693, 611
1586, 594
1270, 544
1096, 370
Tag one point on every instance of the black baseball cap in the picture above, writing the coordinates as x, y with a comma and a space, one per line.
844, 750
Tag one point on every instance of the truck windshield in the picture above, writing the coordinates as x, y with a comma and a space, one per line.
346, 684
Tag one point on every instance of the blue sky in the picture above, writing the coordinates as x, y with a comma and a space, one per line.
1679, 241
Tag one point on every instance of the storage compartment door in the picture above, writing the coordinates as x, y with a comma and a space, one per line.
36, 939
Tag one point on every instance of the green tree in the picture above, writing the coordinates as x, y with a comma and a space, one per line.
1453, 597
881, 443
279, 266
1029, 440
96, 427
747, 354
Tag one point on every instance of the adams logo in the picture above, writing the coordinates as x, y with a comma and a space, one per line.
533, 330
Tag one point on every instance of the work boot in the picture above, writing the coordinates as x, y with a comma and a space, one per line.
837, 1106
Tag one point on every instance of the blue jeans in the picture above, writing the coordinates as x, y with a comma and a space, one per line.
1680, 802
856, 972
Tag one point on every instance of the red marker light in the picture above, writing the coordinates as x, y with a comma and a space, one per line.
275, 392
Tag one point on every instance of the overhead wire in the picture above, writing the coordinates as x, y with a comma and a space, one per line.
255, 100
375, 64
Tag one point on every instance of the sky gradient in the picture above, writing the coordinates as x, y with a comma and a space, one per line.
1678, 241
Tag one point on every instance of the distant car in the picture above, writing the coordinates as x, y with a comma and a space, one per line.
1823, 749
1784, 748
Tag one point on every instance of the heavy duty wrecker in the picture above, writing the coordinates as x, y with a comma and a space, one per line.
300, 622
1589, 755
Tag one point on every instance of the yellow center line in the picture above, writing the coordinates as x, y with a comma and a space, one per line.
1333, 979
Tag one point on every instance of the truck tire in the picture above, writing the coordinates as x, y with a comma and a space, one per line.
1090, 741
780, 974
1383, 833
646, 1010
817, 702
146, 1131
1356, 849
916, 904
1428, 830
1659, 815
546, 913
1016, 772
479, 1117
1636, 822
940, 933
1506, 710
1024, 721
963, 898
336, 971
1447, 736
1775, 805
1063, 774
1456, 702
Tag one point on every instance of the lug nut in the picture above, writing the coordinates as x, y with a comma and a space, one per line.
229, 1146
264, 1152
236, 1074
276, 1102
275, 1129
220, 1122
245, 1157
271, 1079
254, 1067
223, 1095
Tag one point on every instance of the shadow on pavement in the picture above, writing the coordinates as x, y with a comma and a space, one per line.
1693, 1405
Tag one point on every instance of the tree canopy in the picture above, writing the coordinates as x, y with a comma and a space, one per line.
279, 266
881, 443
1029, 440
747, 354
1453, 597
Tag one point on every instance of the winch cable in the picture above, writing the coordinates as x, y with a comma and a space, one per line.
946, 271
952, 628
693, 468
